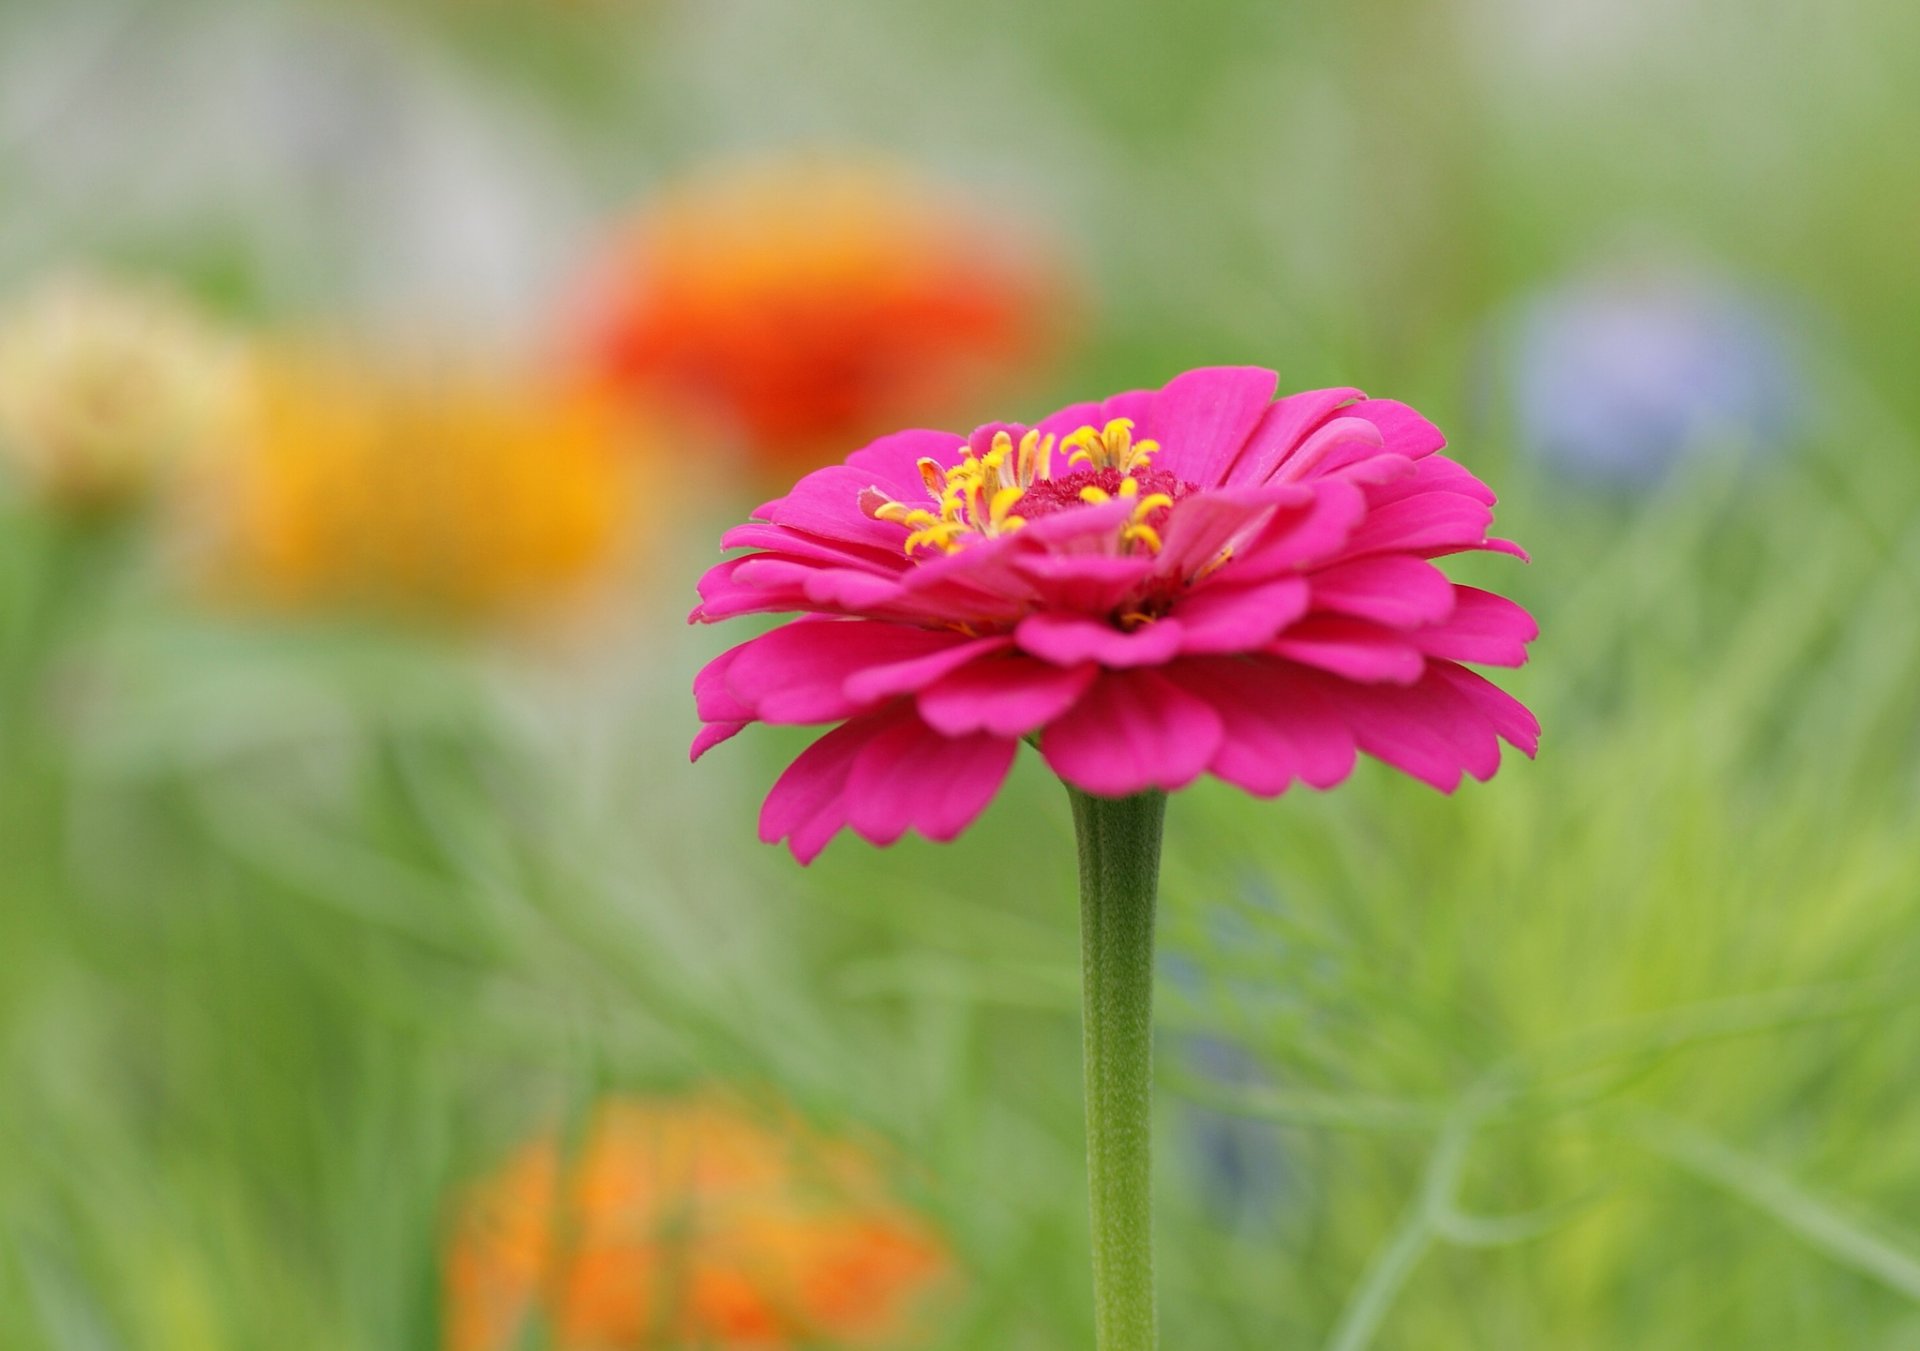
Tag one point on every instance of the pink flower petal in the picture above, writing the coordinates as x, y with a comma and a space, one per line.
1342, 441
1009, 695
1278, 728
980, 583
1227, 618
1391, 589
712, 700
1136, 405
790, 543
909, 777
892, 463
774, 584
844, 588
766, 583
1093, 583
1405, 431
916, 673
1510, 718
1297, 537
827, 503
1426, 521
1352, 648
980, 439
808, 805
801, 672
1203, 417
1429, 729
1282, 427
1484, 628
1436, 473
712, 735
1203, 524
1070, 420
1375, 470
1131, 731
723, 595
1070, 639
1093, 529
795, 576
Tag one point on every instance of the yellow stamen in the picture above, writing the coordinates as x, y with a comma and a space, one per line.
977, 496
939, 535
996, 456
1086, 447
1036, 458
998, 510
1219, 560
914, 518
1110, 447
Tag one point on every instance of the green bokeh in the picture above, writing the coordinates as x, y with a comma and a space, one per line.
301, 929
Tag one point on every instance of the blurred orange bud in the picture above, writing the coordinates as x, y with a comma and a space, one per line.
416, 492
689, 1223
108, 388
804, 308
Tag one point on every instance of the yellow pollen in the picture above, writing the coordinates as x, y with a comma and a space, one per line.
1137, 530
976, 497
901, 514
1110, 447
998, 510
1036, 458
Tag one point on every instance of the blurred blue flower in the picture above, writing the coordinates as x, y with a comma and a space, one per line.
1239, 1161
1618, 377
1239, 1166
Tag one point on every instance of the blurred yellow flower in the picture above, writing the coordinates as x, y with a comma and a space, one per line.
807, 307
689, 1223
108, 388
463, 496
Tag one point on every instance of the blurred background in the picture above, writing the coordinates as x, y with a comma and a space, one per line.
375, 380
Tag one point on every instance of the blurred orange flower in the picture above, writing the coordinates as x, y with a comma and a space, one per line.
687, 1222
806, 308
458, 497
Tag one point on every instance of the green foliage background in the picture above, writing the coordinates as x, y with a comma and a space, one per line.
300, 928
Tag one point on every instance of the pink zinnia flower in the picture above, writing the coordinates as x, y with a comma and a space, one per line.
1194, 580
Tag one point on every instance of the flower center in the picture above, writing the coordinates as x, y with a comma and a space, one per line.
998, 492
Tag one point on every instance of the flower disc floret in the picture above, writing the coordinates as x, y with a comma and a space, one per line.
996, 491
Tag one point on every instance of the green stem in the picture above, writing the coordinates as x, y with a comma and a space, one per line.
1119, 876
